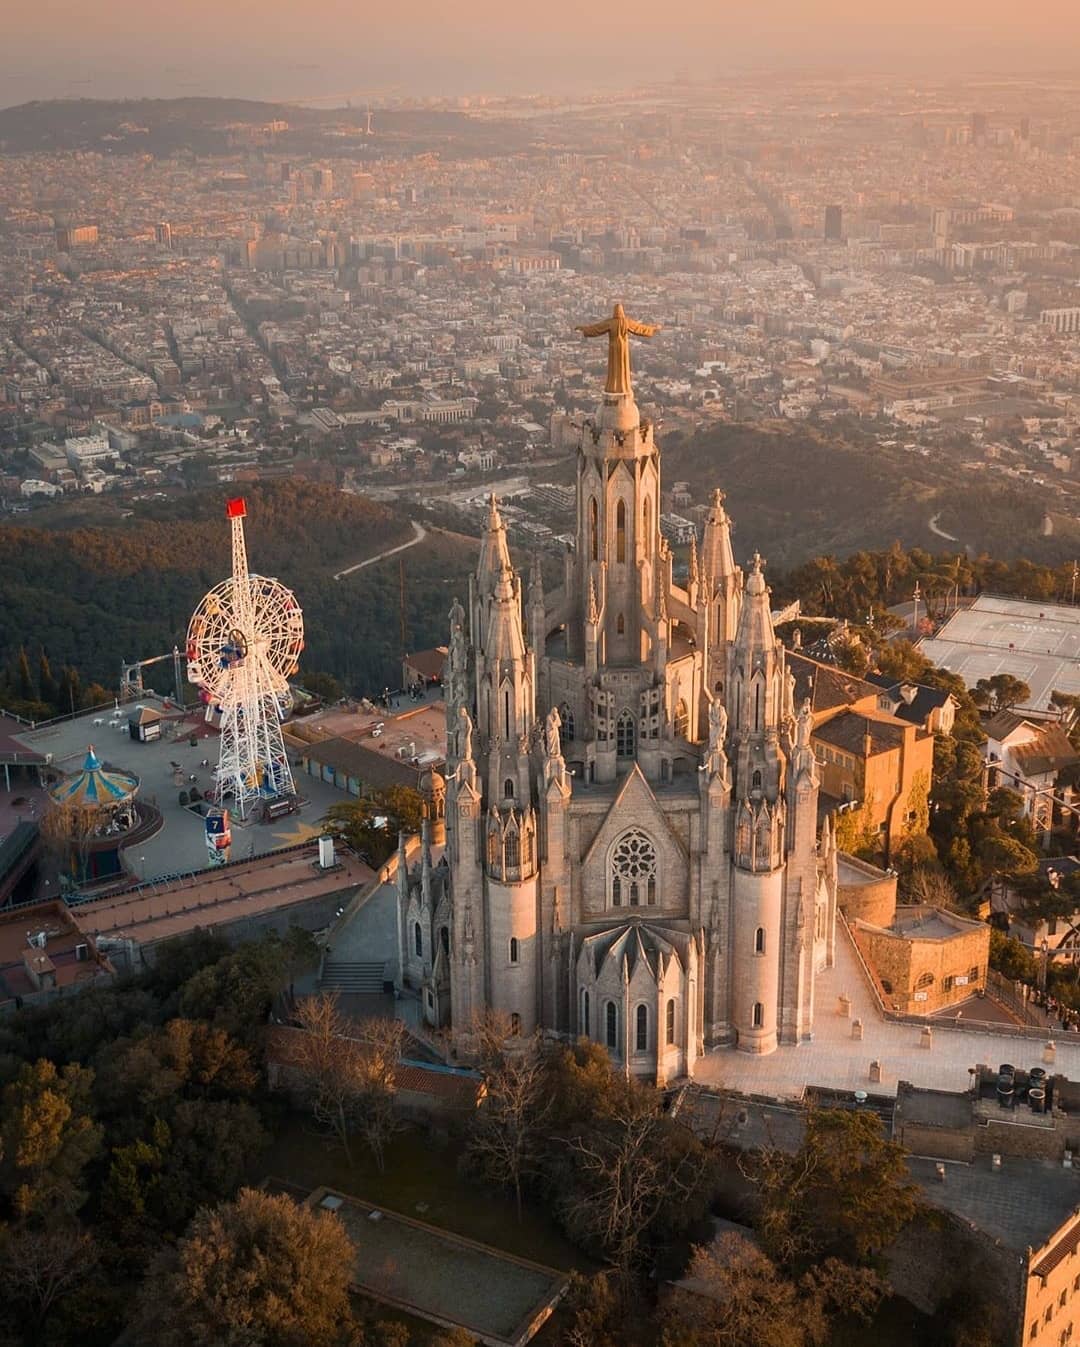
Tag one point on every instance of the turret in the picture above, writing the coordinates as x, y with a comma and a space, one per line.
756, 688
537, 622
506, 695
721, 583
494, 559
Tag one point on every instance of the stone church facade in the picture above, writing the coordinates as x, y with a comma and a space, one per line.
632, 849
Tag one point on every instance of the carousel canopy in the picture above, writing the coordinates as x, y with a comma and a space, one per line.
94, 785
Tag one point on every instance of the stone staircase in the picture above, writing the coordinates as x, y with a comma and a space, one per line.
353, 977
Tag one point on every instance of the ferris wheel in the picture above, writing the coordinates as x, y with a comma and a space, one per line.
243, 644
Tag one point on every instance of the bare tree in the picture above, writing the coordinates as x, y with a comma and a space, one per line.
67, 831
347, 1072
504, 1140
380, 1043
630, 1173
41, 1264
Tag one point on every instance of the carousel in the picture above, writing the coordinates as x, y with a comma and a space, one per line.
91, 817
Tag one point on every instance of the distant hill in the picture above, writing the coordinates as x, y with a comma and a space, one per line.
163, 126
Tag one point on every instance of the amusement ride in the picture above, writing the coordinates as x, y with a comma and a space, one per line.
243, 645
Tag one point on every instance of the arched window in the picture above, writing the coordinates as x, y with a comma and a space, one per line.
506, 714
646, 527
594, 529
513, 849
755, 781
759, 940
620, 625
611, 1025
641, 1029
584, 1026
759, 1015
418, 941
757, 706
508, 789
515, 1022
624, 735
444, 937
526, 850
682, 720
494, 849
633, 868
566, 724
620, 531
669, 1028
926, 980
513, 949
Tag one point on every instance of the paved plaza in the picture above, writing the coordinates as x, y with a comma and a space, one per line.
835, 1060
1037, 642
181, 844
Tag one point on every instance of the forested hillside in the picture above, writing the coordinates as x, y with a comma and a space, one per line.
93, 597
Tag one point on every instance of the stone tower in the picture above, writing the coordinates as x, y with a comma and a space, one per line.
630, 800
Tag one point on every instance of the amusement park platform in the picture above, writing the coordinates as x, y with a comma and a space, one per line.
180, 846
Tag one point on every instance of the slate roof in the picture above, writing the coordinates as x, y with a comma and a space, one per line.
828, 688
372, 769
849, 729
1050, 752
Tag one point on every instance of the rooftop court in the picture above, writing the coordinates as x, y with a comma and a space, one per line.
1037, 642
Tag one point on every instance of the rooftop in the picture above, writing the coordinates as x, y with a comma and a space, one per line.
152, 912
1021, 1204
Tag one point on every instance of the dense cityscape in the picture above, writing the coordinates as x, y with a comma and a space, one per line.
497, 851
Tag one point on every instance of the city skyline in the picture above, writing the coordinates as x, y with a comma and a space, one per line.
113, 52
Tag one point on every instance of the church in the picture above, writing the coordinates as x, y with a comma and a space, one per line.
631, 799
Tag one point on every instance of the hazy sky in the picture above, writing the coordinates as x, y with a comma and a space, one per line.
286, 49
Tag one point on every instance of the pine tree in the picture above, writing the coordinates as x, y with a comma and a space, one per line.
24, 681
70, 699
48, 688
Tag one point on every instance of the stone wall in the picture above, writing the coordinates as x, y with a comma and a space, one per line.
865, 893
917, 973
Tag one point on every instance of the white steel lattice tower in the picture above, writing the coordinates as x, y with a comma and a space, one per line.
243, 645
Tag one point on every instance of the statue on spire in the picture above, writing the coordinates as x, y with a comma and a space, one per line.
618, 329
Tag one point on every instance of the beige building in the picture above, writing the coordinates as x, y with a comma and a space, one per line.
868, 758
926, 959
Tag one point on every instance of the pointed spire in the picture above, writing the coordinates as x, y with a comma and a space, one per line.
505, 638
718, 560
536, 579
494, 552
755, 621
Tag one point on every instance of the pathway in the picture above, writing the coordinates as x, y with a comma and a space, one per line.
419, 534
940, 532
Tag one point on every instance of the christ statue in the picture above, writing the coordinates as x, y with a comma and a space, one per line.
618, 329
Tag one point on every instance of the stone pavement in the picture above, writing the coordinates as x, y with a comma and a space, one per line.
834, 1059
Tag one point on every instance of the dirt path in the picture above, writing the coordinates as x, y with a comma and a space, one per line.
419, 534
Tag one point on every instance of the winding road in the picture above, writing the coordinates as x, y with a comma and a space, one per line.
419, 534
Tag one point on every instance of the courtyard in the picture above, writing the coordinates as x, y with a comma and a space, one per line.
180, 846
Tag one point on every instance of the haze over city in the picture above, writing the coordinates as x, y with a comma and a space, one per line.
540, 674
121, 48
